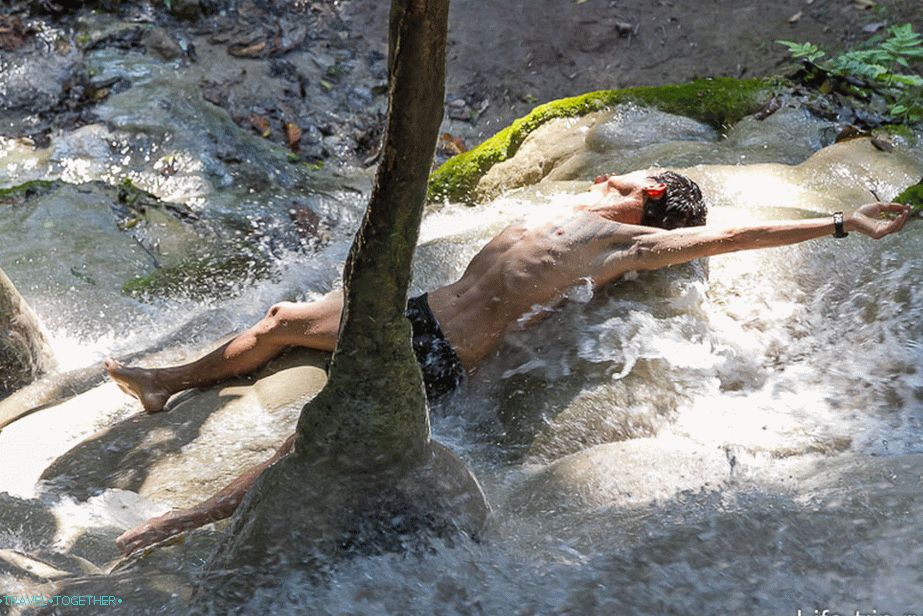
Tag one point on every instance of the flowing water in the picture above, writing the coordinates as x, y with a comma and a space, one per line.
743, 435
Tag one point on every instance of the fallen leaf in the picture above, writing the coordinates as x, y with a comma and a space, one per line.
248, 51
850, 132
794, 18
865, 4
292, 135
260, 124
452, 145
326, 85
624, 27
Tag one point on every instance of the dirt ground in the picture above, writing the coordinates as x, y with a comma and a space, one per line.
519, 52
320, 65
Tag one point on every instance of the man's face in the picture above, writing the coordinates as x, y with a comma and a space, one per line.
625, 195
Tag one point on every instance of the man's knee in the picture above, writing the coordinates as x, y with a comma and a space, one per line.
277, 320
279, 310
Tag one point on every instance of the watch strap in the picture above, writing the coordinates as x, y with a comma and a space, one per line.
838, 228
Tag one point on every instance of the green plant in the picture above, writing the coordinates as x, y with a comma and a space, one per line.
876, 65
807, 51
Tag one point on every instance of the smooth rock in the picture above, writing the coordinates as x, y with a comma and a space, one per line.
638, 471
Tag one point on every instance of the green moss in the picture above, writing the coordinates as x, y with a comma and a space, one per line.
718, 102
26, 190
912, 195
130, 195
201, 277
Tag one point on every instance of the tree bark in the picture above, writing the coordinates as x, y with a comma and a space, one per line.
373, 364
364, 476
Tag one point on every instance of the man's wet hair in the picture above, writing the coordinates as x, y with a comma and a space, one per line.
680, 206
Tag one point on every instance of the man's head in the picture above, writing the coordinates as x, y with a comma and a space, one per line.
666, 200
674, 202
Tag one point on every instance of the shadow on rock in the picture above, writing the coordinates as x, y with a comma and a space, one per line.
201, 443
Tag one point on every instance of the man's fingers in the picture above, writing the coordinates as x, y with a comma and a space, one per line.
129, 541
139, 537
895, 224
896, 208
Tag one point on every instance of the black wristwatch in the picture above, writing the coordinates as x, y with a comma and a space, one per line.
838, 230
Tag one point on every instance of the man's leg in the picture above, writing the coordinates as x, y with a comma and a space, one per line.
313, 325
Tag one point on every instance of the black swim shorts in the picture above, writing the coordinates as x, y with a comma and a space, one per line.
442, 370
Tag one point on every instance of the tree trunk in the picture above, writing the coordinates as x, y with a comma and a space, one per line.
365, 475
374, 364
24, 351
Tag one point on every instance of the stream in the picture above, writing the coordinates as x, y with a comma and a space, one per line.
739, 435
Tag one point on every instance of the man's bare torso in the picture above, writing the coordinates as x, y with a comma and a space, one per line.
524, 268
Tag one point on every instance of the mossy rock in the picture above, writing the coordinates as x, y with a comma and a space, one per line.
718, 102
913, 196
201, 278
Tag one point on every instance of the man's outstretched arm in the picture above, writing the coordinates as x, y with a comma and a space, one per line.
218, 507
657, 249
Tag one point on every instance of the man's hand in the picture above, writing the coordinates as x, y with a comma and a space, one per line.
151, 532
218, 507
868, 220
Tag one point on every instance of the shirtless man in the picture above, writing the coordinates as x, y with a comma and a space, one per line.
623, 223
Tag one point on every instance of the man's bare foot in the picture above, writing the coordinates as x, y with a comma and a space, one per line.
140, 383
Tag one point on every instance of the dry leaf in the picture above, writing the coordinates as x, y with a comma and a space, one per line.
292, 135
452, 145
260, 124
794, 18
249, 51
865, 4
